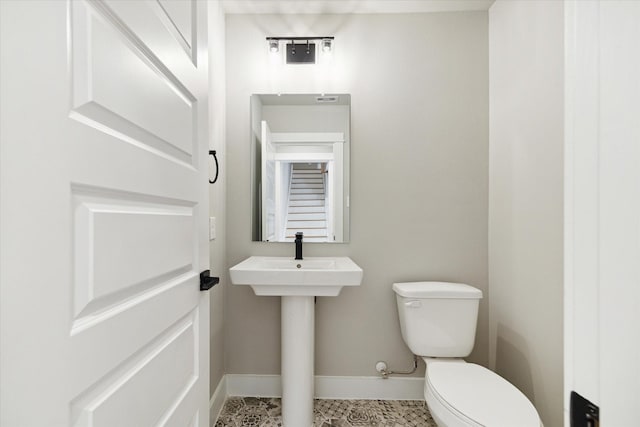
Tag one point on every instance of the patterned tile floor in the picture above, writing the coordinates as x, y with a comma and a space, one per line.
266, 412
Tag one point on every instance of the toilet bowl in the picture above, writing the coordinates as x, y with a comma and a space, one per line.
438, 323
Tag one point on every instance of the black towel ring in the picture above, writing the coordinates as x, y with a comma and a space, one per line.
213, 153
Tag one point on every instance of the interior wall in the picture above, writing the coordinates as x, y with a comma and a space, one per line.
217, 194
419, 165
307, 118
526, 199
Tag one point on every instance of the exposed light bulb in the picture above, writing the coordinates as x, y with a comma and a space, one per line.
326, 45
273, 46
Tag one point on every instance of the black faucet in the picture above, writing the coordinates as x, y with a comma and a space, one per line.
299, 245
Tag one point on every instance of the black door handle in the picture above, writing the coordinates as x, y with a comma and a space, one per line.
213, 153
207, 282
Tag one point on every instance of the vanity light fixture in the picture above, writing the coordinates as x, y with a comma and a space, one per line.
303, 52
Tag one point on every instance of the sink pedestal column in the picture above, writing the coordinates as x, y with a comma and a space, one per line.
297, 360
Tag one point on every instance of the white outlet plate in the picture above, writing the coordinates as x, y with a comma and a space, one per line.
212, 228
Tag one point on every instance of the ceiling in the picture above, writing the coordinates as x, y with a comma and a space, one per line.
351, 6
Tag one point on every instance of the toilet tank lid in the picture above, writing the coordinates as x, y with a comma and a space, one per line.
436, 290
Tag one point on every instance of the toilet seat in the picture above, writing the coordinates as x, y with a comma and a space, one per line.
472, 395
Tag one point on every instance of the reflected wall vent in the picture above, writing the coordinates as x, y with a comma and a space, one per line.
327, 98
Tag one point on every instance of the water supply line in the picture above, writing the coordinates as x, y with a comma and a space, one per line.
382, 368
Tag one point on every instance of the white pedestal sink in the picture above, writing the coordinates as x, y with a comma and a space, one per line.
297, 282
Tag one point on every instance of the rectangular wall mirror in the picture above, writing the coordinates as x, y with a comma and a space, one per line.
300, 148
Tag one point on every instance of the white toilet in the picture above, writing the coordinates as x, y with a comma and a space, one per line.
438, 323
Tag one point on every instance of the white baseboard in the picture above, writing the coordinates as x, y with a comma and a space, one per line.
217, 400
394, 388
330, 387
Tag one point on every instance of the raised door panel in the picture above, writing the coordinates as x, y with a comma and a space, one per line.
121, 87
181, 13
149, 388
168, 28
124, 248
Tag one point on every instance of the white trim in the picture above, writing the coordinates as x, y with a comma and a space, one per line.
581, 202
602, 206
395, 388
331, 387
217, 400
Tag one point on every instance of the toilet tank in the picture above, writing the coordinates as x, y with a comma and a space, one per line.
438, 319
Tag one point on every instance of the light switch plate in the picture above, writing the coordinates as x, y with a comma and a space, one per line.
212, 228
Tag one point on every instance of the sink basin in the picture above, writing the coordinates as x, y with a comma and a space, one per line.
283, 276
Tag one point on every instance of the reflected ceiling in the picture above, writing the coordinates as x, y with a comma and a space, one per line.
352, 6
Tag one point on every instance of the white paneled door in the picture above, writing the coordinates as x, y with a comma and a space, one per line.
104, 206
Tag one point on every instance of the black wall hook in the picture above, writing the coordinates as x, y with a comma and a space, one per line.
213, 153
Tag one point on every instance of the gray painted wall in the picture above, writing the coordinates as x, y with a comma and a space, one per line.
526, 199
419, 164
